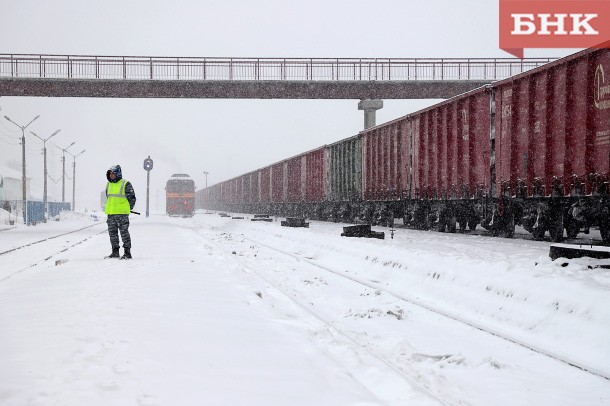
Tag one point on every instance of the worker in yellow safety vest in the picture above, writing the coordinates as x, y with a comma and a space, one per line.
121, 199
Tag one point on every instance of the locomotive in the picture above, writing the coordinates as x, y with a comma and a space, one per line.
531, 150
180, 195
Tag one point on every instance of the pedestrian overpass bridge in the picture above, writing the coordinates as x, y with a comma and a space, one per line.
252, 78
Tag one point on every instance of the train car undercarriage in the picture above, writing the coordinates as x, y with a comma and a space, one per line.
561, 217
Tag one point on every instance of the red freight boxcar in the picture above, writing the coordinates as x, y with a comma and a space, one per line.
386, 170
277, 183
386, 161
265, 184
533, 150
294, 179
255, 187
315, 176
247, 190
451, 162
207, 198
553, 144
463, 153
234, 193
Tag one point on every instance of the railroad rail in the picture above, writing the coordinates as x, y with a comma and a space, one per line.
438, 310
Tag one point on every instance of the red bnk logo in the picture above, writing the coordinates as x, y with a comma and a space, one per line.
553, 24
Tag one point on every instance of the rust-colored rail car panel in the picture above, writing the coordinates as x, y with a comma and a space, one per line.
451, 147
425, 165
241, 189
294, 179
238, 196
210, 196
553, 128
277, 183
224, 192
315, 175
247, 182
344, 160
256, 187
233, 191
414, 130
475, 133
265, 184
386, 161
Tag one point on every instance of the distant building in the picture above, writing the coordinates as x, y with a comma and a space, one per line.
10, 184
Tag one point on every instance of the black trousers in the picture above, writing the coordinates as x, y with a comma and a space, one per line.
119, 223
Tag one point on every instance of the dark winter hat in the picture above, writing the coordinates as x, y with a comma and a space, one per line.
116, 169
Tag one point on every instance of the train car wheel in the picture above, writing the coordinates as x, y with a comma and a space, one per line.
556, 229
451, 224
462, 225
538, 233
572, 229
604, 230
509, 228
472, 223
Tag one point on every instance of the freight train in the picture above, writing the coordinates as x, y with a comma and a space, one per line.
531, 150
180, 195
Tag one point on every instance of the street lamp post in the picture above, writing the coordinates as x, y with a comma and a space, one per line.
23, 188
63, 171
74, 176
206, 179
44, 152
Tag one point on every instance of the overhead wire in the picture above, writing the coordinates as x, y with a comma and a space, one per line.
9, 139
12, 130
16, 137
33, 151
8, 142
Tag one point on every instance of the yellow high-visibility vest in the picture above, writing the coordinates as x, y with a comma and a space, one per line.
117, 203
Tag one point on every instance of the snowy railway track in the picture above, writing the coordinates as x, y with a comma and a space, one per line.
445, 313
334, 330
42, 250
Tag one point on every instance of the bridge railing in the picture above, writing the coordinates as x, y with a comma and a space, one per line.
258, 69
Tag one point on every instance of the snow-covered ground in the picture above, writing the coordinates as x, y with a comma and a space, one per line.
220, 311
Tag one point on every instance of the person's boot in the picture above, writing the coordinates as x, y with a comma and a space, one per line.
127, 254
115, 253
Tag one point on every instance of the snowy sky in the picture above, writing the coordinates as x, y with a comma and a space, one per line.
223, 137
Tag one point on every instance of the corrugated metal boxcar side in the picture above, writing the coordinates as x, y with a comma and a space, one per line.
345, 170
277, 183
214, 194
255, 187
294, 179
553, 128
247, 186
265, 182
315, 175
386, 161
238, 196
225, 191
452, 148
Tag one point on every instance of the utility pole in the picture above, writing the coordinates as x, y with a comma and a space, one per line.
23, 177
206, 179
63, 171
44, 152
74, 177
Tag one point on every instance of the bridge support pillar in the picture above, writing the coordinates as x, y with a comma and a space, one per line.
369, 106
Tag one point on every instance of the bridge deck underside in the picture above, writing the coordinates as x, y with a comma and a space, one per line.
236, 89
